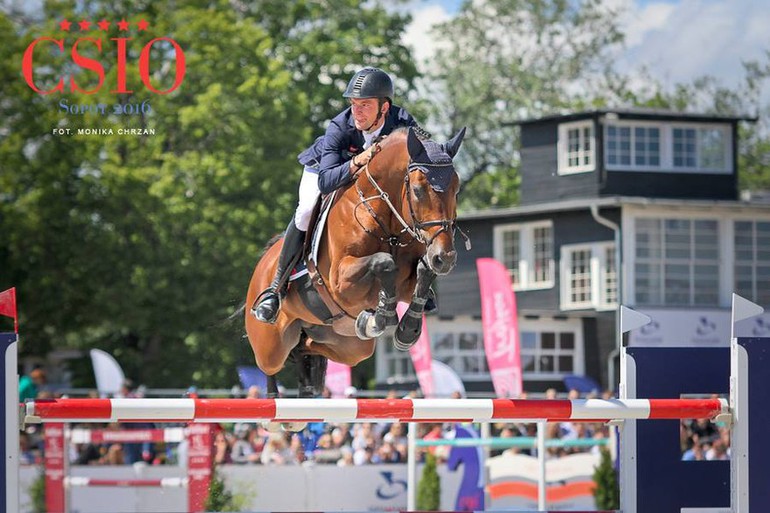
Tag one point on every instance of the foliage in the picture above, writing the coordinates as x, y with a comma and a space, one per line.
521, 59
429, 487
220, 498
37, 492
606, 492
143, 246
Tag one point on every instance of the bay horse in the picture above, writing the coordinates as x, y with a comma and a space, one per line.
387, 236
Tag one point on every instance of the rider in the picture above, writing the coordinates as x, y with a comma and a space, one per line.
331, 162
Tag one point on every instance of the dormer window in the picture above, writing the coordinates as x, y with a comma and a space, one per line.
577, 147
700, 148
636, 146
631, 145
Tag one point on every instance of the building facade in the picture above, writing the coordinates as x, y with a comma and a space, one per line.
632, 207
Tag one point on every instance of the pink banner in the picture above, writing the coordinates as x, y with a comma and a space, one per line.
500, 326
337, 378
420, 353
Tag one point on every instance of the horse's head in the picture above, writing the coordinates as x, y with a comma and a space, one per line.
432, 185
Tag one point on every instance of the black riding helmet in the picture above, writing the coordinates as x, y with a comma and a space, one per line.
369, 83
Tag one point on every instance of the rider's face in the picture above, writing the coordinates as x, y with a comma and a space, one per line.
365, 113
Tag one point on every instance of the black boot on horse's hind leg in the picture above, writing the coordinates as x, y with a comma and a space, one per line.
311, 374
269, 301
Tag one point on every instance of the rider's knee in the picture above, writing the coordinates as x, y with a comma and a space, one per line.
302, 218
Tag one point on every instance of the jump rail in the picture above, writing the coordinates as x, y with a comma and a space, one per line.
357, 410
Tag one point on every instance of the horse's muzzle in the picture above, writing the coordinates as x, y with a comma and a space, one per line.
440, 261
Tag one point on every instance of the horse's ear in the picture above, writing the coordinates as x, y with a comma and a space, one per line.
414, 145
454, 143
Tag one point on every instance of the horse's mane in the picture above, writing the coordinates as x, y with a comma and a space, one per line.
403, 130
275, 238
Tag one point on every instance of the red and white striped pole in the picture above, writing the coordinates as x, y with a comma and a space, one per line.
357, 410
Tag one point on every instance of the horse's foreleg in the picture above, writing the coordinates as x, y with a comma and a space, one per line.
370, 324
410, 327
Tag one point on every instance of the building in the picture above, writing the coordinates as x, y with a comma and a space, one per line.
638, 207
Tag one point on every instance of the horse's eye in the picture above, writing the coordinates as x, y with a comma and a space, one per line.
418, 191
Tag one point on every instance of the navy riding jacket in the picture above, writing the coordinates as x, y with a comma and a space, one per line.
331, 153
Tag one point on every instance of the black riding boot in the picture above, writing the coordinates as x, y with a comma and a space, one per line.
270, 300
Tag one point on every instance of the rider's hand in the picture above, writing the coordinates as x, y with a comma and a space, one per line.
363, 159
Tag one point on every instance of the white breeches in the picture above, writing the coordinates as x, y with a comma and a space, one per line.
308, 194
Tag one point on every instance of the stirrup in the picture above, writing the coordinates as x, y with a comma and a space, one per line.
266, 295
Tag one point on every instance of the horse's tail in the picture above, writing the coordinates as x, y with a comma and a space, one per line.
238, 312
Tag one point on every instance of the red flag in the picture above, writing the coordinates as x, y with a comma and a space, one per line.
420, 353
337, 378
8, 306
500, 327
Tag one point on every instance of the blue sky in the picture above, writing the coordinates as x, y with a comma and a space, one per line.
676, 40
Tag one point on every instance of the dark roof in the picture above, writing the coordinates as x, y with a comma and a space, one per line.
637, 113
612, 201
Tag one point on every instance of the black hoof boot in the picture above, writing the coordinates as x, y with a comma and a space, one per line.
430, 304
311, 370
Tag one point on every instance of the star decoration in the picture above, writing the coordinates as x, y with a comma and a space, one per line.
65, 25
84, 25
104, 25
142, 25
123, 25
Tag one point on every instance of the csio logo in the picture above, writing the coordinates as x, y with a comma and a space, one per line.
97, 44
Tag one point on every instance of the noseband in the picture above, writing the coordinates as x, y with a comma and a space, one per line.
416, 228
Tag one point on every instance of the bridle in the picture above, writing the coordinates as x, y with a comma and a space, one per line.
416, 227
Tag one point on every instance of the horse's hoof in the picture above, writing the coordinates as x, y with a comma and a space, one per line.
366, 326
406, 338
293, 427
272, 427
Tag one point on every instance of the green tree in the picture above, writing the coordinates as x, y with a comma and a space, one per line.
520, 59
606, 492
220, 498
429, 487
143, 246
37, 492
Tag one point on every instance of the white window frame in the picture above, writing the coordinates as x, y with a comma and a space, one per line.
755, 263
563, 167
598, 276
631, 125
699, 168
550, 325
458, 326
726, 260
527, 257
387, 354
667, 147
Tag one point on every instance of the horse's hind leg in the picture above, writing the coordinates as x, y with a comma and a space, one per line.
410, 327
311, 371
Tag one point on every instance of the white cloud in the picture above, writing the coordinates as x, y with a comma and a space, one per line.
676, 41
418, 34
681, 41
